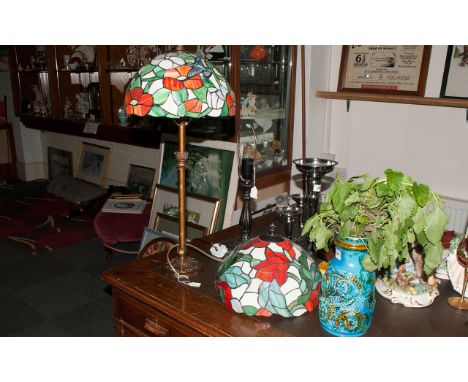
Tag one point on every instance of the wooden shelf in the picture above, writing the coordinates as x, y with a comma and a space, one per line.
394, 98
143, 137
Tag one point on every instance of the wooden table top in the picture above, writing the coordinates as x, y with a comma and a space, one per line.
149, 281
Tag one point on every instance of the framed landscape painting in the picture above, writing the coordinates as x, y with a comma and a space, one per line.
60, 162
212, 170
93, 163
140, 180
200, 210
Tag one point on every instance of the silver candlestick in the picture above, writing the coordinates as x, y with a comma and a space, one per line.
314, 170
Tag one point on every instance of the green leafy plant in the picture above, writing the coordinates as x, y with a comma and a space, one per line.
391, 212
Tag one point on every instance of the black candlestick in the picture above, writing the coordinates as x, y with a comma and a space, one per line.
245, 220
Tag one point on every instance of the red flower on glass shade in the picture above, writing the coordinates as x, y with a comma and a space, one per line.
312, 302
176, 79
137, 102
263, 312
193, 105
226, 292
274, 267
230, 103
288, 247
257, 243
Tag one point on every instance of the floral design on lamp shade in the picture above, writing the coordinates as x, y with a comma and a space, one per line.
177, 85
269, 275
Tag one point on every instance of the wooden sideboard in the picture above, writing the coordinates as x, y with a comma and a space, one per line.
148, 301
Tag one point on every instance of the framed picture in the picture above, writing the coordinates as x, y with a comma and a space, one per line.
140, 180
60, 162
150, 235
385, 69
455, 79
212, 170
93, 164
200, 210
169, 224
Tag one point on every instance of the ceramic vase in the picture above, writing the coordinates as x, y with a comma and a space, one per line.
347, 298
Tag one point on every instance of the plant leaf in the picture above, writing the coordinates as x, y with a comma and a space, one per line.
421, 193
339, 196
406, 207
433, 257
435, 225
394, 179
368, 264
345, 229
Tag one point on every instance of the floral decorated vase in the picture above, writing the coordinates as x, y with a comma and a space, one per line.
269, 275
347, 298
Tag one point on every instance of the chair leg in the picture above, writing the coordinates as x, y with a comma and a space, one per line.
109, 252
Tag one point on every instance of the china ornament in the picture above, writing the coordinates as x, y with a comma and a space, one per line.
269, 275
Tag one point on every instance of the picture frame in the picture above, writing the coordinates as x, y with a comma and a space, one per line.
384, 69
93, 163
140, 180
455, 77
170, 225
60, 162
212, 172
151, 234
201, 210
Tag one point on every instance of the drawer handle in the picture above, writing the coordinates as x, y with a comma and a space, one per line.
153, 327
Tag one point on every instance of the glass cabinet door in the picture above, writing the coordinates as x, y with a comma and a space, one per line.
265, 82
78, 82
33, 87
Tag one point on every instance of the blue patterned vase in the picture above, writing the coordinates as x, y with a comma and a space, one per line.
346, 301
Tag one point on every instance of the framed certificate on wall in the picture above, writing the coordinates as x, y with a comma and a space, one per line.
384, 69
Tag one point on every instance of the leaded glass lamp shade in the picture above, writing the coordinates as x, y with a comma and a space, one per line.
181, 86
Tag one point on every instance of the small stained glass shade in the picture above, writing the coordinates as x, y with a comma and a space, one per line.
178, 85
269, 275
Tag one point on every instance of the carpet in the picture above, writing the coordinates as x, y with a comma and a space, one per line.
38, 223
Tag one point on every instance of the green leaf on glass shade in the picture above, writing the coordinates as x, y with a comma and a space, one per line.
303, 298
160, 96
146, 70
435, 225
136, 83
182, 111
421, 193
250, 310
159, 72
272, 299
180, 96
200, 94
157, 111
235, 277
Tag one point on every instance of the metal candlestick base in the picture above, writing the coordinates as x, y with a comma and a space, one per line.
289, 212
458, 303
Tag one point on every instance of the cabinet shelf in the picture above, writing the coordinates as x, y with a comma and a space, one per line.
395, 98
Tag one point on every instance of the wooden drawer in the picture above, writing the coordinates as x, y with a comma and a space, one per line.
134, 318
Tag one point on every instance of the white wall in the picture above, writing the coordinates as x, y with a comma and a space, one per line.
426, 142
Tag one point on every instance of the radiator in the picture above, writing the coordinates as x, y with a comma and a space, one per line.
457, 211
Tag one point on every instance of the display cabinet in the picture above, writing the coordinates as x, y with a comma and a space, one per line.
87, 83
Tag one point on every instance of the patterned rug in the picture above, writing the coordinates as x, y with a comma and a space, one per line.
38, 223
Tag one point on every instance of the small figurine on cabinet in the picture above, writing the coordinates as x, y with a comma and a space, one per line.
67, 109
248, 105
38, 104
82, 104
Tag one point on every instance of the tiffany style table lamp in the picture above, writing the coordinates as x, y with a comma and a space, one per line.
181, 86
